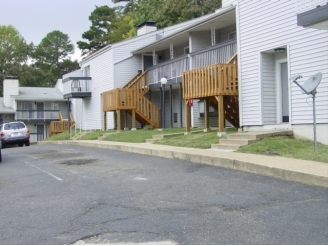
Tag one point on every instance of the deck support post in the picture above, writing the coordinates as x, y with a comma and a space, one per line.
207, 115
118, 119
188, 120
105, 121
134, 120
126, 120
221, 131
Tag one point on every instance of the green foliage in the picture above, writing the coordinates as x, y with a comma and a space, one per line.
14, 52
98, 35
50, 56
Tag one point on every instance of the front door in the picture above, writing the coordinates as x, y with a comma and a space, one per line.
40, 109
148, 62
284, 92
40, 132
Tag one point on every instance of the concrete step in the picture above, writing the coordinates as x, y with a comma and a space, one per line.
241, 136
259, 135
225, 146
240, 142
150, 140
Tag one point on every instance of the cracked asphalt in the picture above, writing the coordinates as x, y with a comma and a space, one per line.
62, 194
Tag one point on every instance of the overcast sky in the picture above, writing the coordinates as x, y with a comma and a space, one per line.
34, 19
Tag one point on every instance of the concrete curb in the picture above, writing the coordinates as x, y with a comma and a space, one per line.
230, 163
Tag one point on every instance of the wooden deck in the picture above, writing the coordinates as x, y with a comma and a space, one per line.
60, 126
217, 85
131, 99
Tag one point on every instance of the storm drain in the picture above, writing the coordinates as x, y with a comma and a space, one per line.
78, 161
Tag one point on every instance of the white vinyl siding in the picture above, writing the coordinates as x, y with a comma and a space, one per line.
265, 25
200, 40
101, 72
269, 89
124, 71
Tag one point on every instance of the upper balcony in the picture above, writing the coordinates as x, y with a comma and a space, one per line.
77, 87
312, 13
173, 69
38, 115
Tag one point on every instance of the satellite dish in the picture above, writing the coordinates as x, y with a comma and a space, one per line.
310, 86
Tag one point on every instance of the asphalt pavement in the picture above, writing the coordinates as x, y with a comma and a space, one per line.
297, 170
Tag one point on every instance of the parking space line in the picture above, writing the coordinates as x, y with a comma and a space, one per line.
54, 176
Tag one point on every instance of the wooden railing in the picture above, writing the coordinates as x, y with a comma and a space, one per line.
61, 125
148, 111
214, 80
131, 97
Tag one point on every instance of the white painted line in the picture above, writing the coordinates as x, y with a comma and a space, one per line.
45, 171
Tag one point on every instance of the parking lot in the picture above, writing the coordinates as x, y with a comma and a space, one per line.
63, 194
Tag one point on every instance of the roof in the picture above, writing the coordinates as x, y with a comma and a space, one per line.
39, 94
5, 110
221, 18
174, 28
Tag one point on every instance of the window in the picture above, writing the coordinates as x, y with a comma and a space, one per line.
186, 50
232, 35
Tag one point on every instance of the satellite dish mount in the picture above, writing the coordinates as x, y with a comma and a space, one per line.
310, 88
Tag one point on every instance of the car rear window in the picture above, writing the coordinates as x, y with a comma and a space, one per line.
14, 126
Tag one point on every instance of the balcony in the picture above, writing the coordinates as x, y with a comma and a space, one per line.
173, 69
38, 115
77, 87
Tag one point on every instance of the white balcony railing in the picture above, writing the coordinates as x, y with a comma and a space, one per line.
77, 86
220, 53
44, 115
306, 5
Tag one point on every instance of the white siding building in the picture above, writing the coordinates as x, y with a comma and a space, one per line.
268, 99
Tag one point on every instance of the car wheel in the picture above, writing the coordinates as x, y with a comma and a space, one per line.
0, 156
27, 143
20, 144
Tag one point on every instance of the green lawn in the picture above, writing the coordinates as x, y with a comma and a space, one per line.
140, 136
279, 146
288, 147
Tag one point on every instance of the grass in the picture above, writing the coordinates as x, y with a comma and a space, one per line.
276, 146
140, 136
59, 136
288, 147
94, 135
195, 140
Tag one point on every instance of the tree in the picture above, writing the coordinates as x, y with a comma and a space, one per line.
14, 52
98, 35
51, 55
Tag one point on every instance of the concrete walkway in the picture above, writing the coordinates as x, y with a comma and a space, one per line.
302, 171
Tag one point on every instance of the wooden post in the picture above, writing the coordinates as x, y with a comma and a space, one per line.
187, 109
118, 118
206, 114
221, 115
105, 120
134, 120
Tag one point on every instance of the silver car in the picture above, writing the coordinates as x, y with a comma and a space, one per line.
14, 133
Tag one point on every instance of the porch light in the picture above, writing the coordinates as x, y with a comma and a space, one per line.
163, 81
279, 50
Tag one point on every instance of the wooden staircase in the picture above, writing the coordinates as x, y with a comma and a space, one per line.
231, 107
217, 85
131, 98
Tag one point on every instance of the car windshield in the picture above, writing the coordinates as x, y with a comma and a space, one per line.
14, 126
